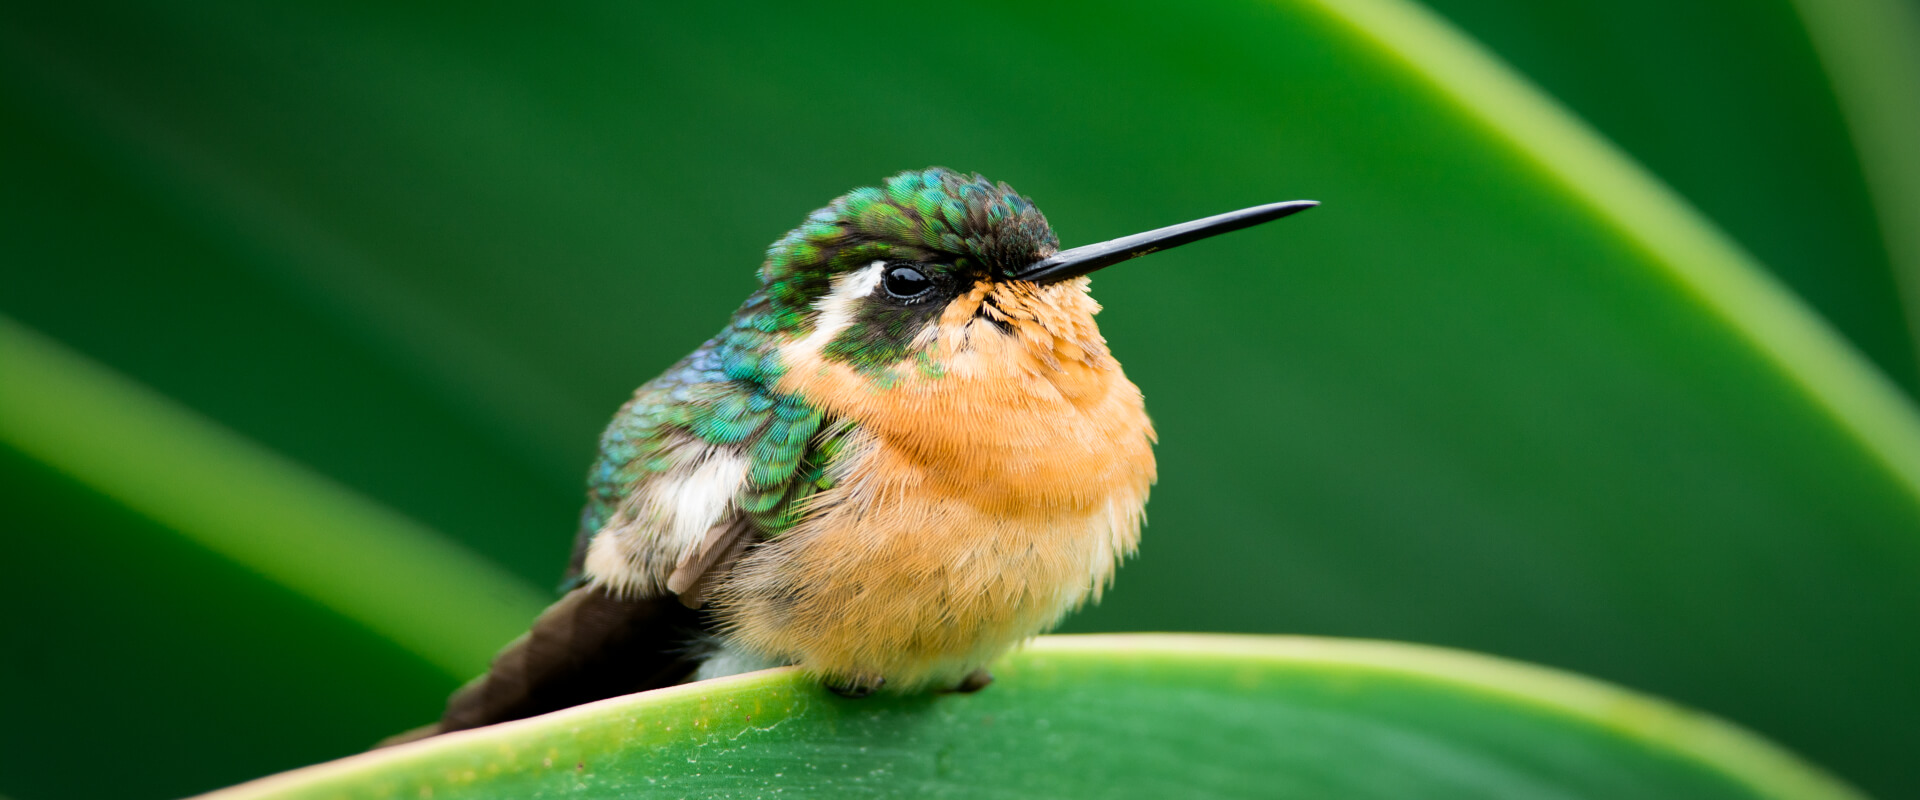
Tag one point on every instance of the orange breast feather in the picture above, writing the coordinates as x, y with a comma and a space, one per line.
991, 489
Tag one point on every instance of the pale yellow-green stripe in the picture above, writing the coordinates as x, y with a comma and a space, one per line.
1726, 280
268, 514
1871, 51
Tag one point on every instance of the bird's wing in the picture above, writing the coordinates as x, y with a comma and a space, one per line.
787, 460
692, 471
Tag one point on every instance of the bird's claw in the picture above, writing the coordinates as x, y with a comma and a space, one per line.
855, 689
975, 681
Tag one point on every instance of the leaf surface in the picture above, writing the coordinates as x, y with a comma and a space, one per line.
1109, 716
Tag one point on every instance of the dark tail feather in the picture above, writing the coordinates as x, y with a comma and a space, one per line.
589, 646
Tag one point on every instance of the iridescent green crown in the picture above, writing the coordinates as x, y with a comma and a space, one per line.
934, 214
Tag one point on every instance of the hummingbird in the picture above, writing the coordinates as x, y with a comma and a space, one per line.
908, 451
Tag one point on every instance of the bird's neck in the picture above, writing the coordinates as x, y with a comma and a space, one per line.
1014, 399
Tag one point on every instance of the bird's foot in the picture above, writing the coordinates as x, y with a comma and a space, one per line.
975, 681
855, 688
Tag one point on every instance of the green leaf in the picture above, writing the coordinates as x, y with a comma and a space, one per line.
1721, 278
1109, 716
126, 638
1729, 102
1872, 52
402, 582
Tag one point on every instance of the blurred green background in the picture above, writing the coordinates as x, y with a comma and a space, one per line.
1599, 355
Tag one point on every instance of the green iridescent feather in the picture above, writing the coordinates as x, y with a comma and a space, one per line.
932, 215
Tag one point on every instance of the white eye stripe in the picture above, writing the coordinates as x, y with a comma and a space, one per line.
851, 286
834, 312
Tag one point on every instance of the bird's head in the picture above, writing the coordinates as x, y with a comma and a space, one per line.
914, 276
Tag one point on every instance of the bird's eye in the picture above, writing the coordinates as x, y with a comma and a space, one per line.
906, 283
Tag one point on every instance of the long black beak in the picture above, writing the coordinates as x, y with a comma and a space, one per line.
1082, 260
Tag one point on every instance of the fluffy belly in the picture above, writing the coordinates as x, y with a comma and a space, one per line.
919, 590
